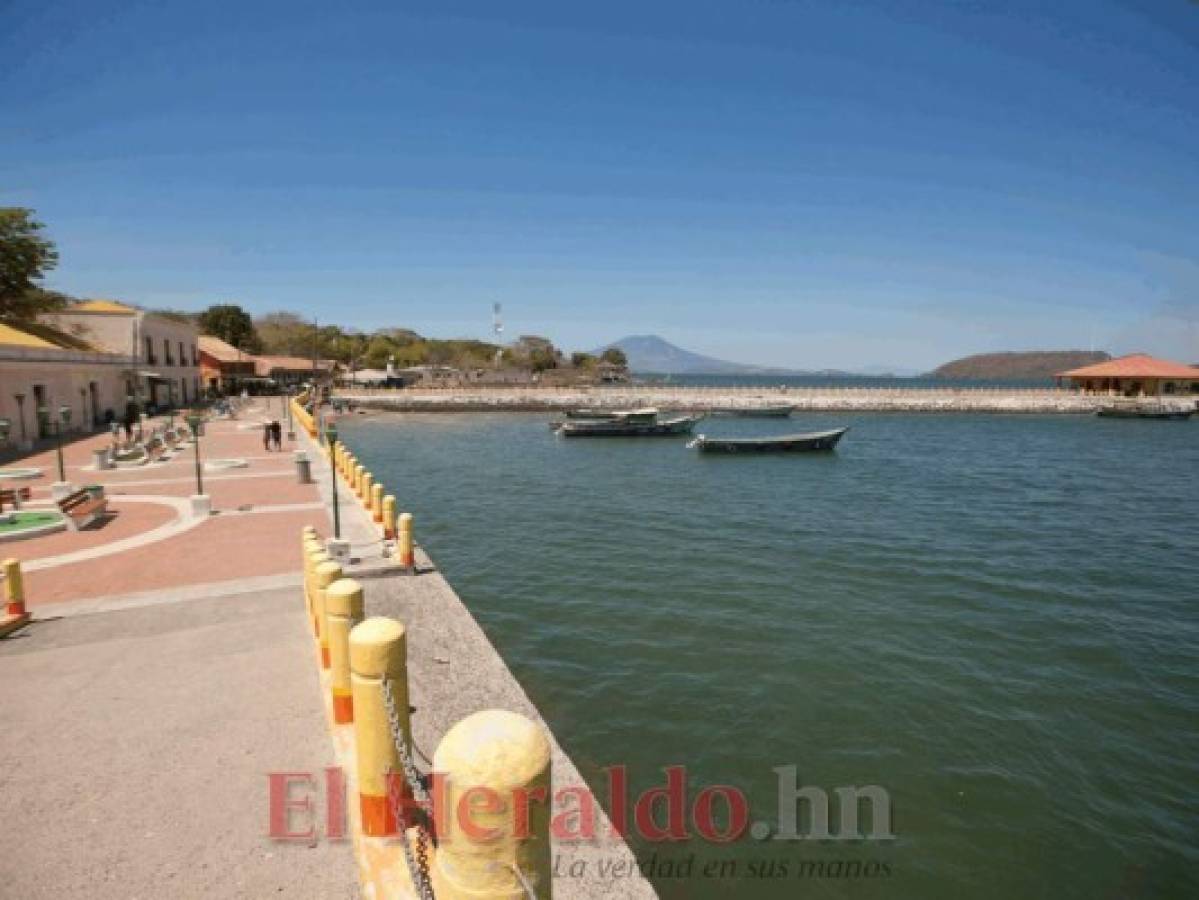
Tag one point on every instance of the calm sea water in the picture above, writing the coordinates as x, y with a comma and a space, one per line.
994, 618
838, 381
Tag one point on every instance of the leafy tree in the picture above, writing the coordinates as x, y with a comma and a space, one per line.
615, 356
541, 359
25, 257
231, 324
583, 360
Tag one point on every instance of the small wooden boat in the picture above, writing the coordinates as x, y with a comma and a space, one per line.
1144, 410
779, 411
783, 443
647, 414
628, 427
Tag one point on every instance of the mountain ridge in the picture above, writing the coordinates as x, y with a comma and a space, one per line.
652, 353
1019, 364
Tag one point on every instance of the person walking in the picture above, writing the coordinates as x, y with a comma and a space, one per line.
266, 436
131, 416
277, 435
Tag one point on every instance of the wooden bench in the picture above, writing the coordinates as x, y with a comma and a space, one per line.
13, 497
82, 508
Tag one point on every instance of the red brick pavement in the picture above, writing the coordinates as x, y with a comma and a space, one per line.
225, 547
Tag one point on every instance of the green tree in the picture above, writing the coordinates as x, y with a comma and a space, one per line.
541, 359
231, 324
286, 334
25, 258
615, 356
582, 360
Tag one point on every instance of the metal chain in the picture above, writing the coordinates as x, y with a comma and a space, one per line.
418, 864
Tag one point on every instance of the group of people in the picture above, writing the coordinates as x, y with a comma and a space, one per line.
272, 436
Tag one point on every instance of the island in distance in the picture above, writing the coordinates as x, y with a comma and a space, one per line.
1031, 365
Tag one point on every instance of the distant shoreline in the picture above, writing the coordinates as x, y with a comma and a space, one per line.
701, 398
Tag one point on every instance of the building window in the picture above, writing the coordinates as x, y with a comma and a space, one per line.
166, 353
150, 353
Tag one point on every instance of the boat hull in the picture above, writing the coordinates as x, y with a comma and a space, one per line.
1117, 412
755, 412
815, 442
605, 428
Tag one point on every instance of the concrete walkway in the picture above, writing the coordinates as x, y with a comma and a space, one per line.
168, 670
137, 745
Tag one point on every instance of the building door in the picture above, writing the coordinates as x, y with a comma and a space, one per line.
93, 391
40, 411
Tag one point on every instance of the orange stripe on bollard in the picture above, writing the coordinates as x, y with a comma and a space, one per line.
378, 816
343, 707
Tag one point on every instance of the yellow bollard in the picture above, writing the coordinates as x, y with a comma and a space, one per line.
377, 503
316, 556
343, 610
14, 588
378, 650
389, 517
496, 766
406, 551
359, 472
364, 492
325, 574
311, 545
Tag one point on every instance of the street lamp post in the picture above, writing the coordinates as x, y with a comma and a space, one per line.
64, 415
291, 431
193, 422
331, 440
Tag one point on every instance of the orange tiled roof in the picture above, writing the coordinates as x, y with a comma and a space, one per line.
102, 306
220, 351
39, 336
1135, 365
264, 365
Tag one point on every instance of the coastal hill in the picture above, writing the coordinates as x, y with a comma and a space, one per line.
650, 353
1013, 366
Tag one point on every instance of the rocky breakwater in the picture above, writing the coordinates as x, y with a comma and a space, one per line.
915, 399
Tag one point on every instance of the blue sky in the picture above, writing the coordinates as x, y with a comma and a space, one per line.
797, 184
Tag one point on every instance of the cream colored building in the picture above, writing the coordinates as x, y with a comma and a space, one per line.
166, 369
44, 370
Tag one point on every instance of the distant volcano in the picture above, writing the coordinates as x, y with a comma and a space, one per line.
650, 353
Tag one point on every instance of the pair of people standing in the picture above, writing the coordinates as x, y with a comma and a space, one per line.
272, 436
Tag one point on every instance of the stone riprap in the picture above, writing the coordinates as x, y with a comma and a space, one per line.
804, 399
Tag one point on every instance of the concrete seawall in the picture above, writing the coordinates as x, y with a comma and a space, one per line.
924, 400
454, 670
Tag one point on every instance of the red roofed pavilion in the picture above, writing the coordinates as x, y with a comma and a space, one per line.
1135, 375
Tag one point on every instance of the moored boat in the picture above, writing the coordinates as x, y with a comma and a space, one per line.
783, 443
646, 414
628, 427
1145, 410
777, 411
